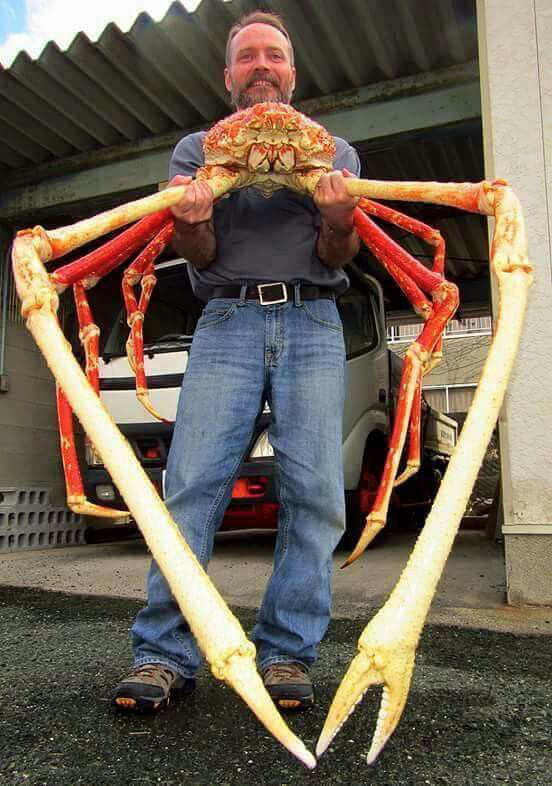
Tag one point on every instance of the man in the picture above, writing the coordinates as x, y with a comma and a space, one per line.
244, 353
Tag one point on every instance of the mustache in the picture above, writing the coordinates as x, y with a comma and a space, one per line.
265, 78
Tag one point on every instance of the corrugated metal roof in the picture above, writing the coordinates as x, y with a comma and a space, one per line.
167, 75
164, 77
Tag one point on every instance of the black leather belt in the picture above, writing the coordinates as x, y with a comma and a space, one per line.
269, 294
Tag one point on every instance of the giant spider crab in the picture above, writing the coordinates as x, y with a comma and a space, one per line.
271, 146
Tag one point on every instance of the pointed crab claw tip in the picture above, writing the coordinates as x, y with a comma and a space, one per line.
359, 677
242, 675
308, 760
373, 753
145, 400
323, 743
374, 523
86, 508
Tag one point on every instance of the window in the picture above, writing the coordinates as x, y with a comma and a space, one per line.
480, 326
357, 314
173, 311
450, 398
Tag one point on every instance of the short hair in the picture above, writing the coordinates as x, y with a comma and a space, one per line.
263, 18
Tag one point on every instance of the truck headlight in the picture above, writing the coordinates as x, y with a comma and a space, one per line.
92, 457
262, 447
105, 492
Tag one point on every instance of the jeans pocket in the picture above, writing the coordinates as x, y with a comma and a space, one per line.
324, 312
215, 312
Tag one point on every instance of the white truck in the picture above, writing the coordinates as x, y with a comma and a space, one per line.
372, 378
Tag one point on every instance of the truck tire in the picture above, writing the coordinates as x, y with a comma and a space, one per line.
372, 464
354, 521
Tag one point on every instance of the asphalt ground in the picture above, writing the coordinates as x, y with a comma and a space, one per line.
480, 709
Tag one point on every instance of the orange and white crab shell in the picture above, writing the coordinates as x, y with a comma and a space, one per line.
269, 137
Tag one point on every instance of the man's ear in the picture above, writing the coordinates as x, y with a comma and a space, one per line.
293, 72
227, 80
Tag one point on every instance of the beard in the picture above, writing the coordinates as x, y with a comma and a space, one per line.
242, 96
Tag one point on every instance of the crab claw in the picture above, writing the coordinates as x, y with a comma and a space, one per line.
375, 522
389, 664
144, 399
240, 673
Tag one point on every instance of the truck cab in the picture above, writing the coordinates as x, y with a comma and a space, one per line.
371, 383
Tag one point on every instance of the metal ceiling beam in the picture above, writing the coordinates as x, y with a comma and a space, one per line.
375, 93
356, 116
406, 114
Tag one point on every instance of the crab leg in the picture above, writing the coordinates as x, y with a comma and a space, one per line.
66, 239
426, 233
421, 306
142, 271
218, 632
76, 499
387, 645
433, 238
89, 335
98, 263
412, 277
413, 456
83, 273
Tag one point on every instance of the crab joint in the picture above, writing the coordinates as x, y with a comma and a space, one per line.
88, 332
136, 316
39, 299
221, 665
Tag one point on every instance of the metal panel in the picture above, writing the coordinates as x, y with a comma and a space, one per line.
68, 104
60, 67
20, 142
411, 113
88, 58
167, 75
187, 82
124, 57
37, 109
364, 122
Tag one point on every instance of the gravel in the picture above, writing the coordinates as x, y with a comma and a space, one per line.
480, 709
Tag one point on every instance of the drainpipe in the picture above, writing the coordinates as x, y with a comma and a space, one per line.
4, 323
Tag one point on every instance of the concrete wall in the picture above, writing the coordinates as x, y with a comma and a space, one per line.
516, 79
29, 447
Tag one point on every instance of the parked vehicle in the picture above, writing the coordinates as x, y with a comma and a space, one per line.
372, 378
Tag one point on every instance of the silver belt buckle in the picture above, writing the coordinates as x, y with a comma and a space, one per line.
266, 299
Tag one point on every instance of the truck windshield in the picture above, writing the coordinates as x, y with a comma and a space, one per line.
356, 308
171, 317
174, 311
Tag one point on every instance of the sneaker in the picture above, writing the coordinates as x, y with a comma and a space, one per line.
149, 688
289, 685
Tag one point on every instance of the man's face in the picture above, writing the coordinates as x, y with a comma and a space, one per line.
260, 68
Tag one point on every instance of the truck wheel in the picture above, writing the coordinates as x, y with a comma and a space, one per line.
372, 464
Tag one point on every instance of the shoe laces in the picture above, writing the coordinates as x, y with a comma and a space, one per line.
152, 672
287, 670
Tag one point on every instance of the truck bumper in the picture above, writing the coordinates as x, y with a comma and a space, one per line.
253, 505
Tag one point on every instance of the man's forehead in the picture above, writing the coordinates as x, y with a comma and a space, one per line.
259, 34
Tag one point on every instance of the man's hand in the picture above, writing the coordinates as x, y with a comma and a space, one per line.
332, 199
196, 206
194, 231
338, 241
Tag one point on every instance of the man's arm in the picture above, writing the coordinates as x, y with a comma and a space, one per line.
194, 236
338, 241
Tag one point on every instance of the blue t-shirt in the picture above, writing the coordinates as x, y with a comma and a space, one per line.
263, 238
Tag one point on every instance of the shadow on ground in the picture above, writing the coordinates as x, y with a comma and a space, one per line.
480, 709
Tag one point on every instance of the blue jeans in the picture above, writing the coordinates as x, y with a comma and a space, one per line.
291, 355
